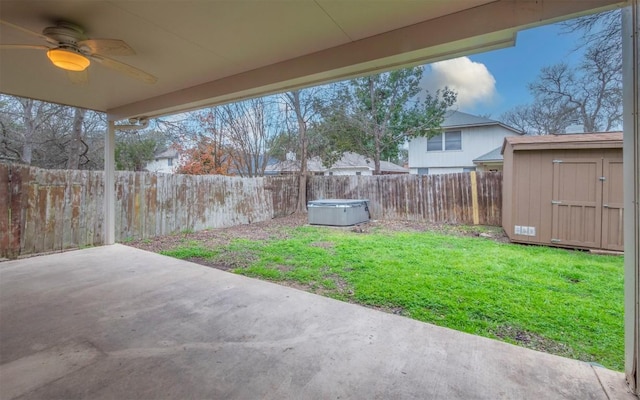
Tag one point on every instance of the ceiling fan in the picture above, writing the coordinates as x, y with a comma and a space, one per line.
69, 48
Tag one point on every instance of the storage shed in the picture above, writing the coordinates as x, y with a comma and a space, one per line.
564, 190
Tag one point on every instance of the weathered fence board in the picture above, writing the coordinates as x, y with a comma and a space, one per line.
432, 198
7, 243
52, 210
284, 194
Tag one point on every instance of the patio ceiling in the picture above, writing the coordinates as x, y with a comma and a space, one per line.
211, 52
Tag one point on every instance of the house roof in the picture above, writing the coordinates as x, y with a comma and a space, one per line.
215, 52
351, 160
583, 140
458, 119
348, 160
493, 155
168, 153
314, 164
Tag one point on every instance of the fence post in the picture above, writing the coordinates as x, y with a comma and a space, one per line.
474, 197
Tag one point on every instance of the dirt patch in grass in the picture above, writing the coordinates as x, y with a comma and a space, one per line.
212, 264
323, 245
390, 310
341, 285
339, 288
532, 341
277, 228
495, 233
209, 238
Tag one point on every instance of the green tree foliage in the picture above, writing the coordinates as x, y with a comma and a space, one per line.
374, 115
134, 150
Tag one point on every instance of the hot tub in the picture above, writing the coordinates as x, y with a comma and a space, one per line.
338, 212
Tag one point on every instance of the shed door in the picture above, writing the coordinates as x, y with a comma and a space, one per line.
612, 205
577, 202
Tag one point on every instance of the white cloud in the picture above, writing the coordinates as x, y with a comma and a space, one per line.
471, 80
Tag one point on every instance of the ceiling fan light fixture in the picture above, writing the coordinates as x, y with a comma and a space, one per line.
68, 60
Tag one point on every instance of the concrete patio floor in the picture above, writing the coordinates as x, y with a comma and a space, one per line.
115, 322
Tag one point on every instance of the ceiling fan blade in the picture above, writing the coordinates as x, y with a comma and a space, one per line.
107, 47
126, 69
22, 47
78, 77
24, 30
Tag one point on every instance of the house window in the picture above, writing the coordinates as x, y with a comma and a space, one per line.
423, 171
358, 173
468, 169
447, 141
170, 162
434, 143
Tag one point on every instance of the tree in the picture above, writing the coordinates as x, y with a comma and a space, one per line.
73, 159
23, 119
602, 31
539, 118
207, 157
374, 115
50, 135
301, 105
593, 91
134, 150
590, 93
248, 128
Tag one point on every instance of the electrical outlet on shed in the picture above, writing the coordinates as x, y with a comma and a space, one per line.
524, 230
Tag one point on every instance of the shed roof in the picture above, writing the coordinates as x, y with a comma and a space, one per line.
583, 140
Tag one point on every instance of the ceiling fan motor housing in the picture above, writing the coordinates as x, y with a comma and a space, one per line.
64, 34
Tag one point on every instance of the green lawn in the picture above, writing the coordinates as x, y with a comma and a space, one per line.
563, 302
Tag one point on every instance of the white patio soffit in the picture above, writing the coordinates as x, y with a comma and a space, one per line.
211, 52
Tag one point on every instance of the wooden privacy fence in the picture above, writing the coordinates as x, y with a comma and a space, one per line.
52, 210
466, 198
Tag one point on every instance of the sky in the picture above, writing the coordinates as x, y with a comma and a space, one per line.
493, 82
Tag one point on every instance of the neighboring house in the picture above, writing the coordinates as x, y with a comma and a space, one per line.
242, 170
349, 164
491, 161
357, 164
165, 161
468, 143
292, 166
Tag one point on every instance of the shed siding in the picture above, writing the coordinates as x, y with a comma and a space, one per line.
613, 212
532, 179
